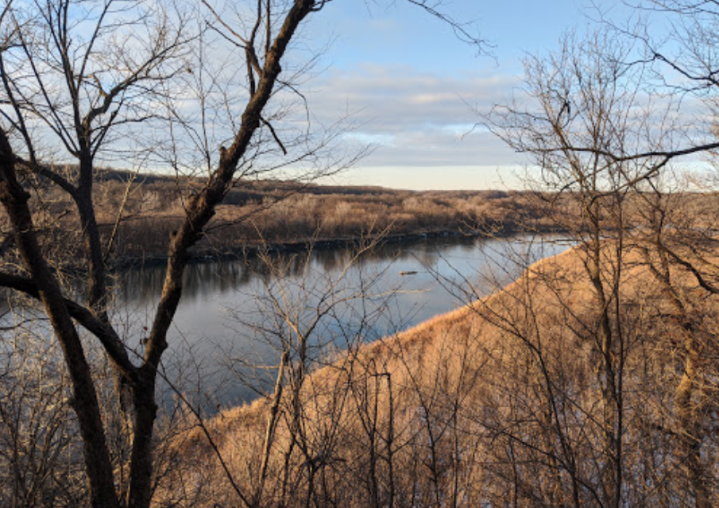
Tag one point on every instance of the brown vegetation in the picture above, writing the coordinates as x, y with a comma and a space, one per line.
287, 213
497, 403
591, 381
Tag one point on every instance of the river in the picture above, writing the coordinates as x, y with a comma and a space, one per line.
235, 316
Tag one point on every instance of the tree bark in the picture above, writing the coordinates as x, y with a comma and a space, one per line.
85, 403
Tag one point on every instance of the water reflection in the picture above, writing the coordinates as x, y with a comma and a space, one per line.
228, 324
207, 279
227, 317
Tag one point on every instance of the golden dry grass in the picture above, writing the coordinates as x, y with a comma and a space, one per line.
435, 411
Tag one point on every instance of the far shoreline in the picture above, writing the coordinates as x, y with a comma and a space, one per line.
253, 249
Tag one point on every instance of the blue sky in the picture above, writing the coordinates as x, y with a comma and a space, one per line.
413, 86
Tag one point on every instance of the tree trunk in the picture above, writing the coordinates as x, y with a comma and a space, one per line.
85, 403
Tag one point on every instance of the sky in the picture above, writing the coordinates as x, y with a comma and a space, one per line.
415, 89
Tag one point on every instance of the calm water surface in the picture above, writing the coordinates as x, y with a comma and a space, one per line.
234, 316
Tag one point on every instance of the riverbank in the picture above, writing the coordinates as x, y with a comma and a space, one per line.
455, 407
138, 216
289, 216
253, 250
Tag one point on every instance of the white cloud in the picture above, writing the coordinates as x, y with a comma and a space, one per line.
415, 119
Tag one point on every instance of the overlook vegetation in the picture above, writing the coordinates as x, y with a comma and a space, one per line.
590, 381
498, 403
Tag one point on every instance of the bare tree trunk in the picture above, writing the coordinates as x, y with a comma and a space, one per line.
200, 209
85, 402
690, 430
97, 291
271, 427
611, 474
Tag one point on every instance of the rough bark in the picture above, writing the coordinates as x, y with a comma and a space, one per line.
85, 403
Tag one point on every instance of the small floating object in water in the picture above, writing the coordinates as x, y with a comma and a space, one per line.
410, 272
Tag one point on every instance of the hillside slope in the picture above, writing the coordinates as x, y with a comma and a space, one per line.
502, 403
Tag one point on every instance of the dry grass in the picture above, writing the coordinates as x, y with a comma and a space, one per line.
465, 418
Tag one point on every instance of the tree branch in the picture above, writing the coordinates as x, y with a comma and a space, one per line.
106, 335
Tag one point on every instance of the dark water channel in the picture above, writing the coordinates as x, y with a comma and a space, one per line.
235, 316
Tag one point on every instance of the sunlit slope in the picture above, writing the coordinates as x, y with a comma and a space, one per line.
506, 395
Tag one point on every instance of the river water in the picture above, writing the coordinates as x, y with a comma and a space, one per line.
235, 317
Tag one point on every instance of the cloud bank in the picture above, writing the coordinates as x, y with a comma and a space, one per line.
416, 119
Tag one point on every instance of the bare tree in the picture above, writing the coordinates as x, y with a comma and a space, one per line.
602, 142
79, 95
78, 77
